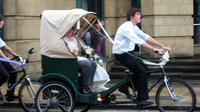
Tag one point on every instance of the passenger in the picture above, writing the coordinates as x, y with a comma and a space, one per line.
87, 38
5, 68
87, 68
97, 40
127, 36
97, 75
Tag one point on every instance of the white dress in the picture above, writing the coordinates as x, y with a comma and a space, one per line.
101, 77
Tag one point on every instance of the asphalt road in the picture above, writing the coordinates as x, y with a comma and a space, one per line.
126, 107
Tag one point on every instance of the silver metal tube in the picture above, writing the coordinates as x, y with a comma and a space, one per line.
172, 94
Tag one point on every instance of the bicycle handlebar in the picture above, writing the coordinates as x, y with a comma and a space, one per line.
26, 60
30, 51
165, 57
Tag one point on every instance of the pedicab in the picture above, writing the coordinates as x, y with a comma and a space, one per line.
60, 77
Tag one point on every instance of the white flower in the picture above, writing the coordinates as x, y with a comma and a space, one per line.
88, 51
96, 56
100, 62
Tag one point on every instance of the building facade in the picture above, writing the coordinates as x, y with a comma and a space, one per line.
169, 21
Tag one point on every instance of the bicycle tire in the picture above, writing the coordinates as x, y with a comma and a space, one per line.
186, 96
27, 97
54, 96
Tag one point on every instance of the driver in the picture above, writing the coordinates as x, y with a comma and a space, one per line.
5, 68
128, 34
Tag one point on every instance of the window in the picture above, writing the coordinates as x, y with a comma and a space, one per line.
1, 6
92, 5
196, 21
136, 3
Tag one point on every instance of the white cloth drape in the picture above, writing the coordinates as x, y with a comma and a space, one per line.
101, 77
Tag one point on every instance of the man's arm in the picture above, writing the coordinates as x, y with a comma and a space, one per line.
9, 50
3, 55
155, 42
146, 45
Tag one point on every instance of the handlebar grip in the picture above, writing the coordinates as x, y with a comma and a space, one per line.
30, 51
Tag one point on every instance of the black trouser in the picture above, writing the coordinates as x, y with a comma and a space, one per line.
140, 77
4, 69
87, 69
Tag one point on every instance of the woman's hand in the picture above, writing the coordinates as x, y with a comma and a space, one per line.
75, 52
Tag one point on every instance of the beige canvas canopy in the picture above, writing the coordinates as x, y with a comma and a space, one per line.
56, 23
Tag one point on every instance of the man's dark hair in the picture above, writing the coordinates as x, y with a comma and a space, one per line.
131, 12
1, 17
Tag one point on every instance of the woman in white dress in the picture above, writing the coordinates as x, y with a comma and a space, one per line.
100, 77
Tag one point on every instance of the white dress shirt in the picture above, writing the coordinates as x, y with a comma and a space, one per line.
2, 43
127, 36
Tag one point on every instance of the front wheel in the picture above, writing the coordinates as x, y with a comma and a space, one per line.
27, 95
184, 98
54, 96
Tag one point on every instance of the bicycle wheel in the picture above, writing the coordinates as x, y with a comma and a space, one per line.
27, 95
185, 98
54, 96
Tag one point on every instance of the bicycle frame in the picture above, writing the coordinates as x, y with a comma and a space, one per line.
21, 64
164, 60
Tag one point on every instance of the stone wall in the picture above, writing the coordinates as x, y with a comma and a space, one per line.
115, 15
22, 26
170, 22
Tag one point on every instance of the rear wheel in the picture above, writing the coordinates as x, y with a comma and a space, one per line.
185, 98
27, 95
54, 96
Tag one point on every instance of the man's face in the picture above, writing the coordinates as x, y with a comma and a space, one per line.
70, 32
1, 23
136, 18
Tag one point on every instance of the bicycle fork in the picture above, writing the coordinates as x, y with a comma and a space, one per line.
31, 85
170, 90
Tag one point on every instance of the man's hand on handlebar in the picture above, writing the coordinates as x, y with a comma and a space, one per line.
18, 58
167, 49
158, 51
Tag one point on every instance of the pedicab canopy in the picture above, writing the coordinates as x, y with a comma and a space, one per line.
56, 23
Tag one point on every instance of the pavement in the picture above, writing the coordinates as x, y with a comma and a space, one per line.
195, 83
126, 104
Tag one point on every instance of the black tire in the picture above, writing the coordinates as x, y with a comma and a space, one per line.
27, 96
184, 93
54, 96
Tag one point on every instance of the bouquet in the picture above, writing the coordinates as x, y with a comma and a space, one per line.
90, 54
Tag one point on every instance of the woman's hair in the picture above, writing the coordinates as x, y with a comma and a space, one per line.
1, 17
131, 12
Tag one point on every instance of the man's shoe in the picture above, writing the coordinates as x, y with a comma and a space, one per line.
125, 90
11, 98
143, 103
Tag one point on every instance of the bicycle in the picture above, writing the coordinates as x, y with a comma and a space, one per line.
27, 90
171, 89
60, 76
